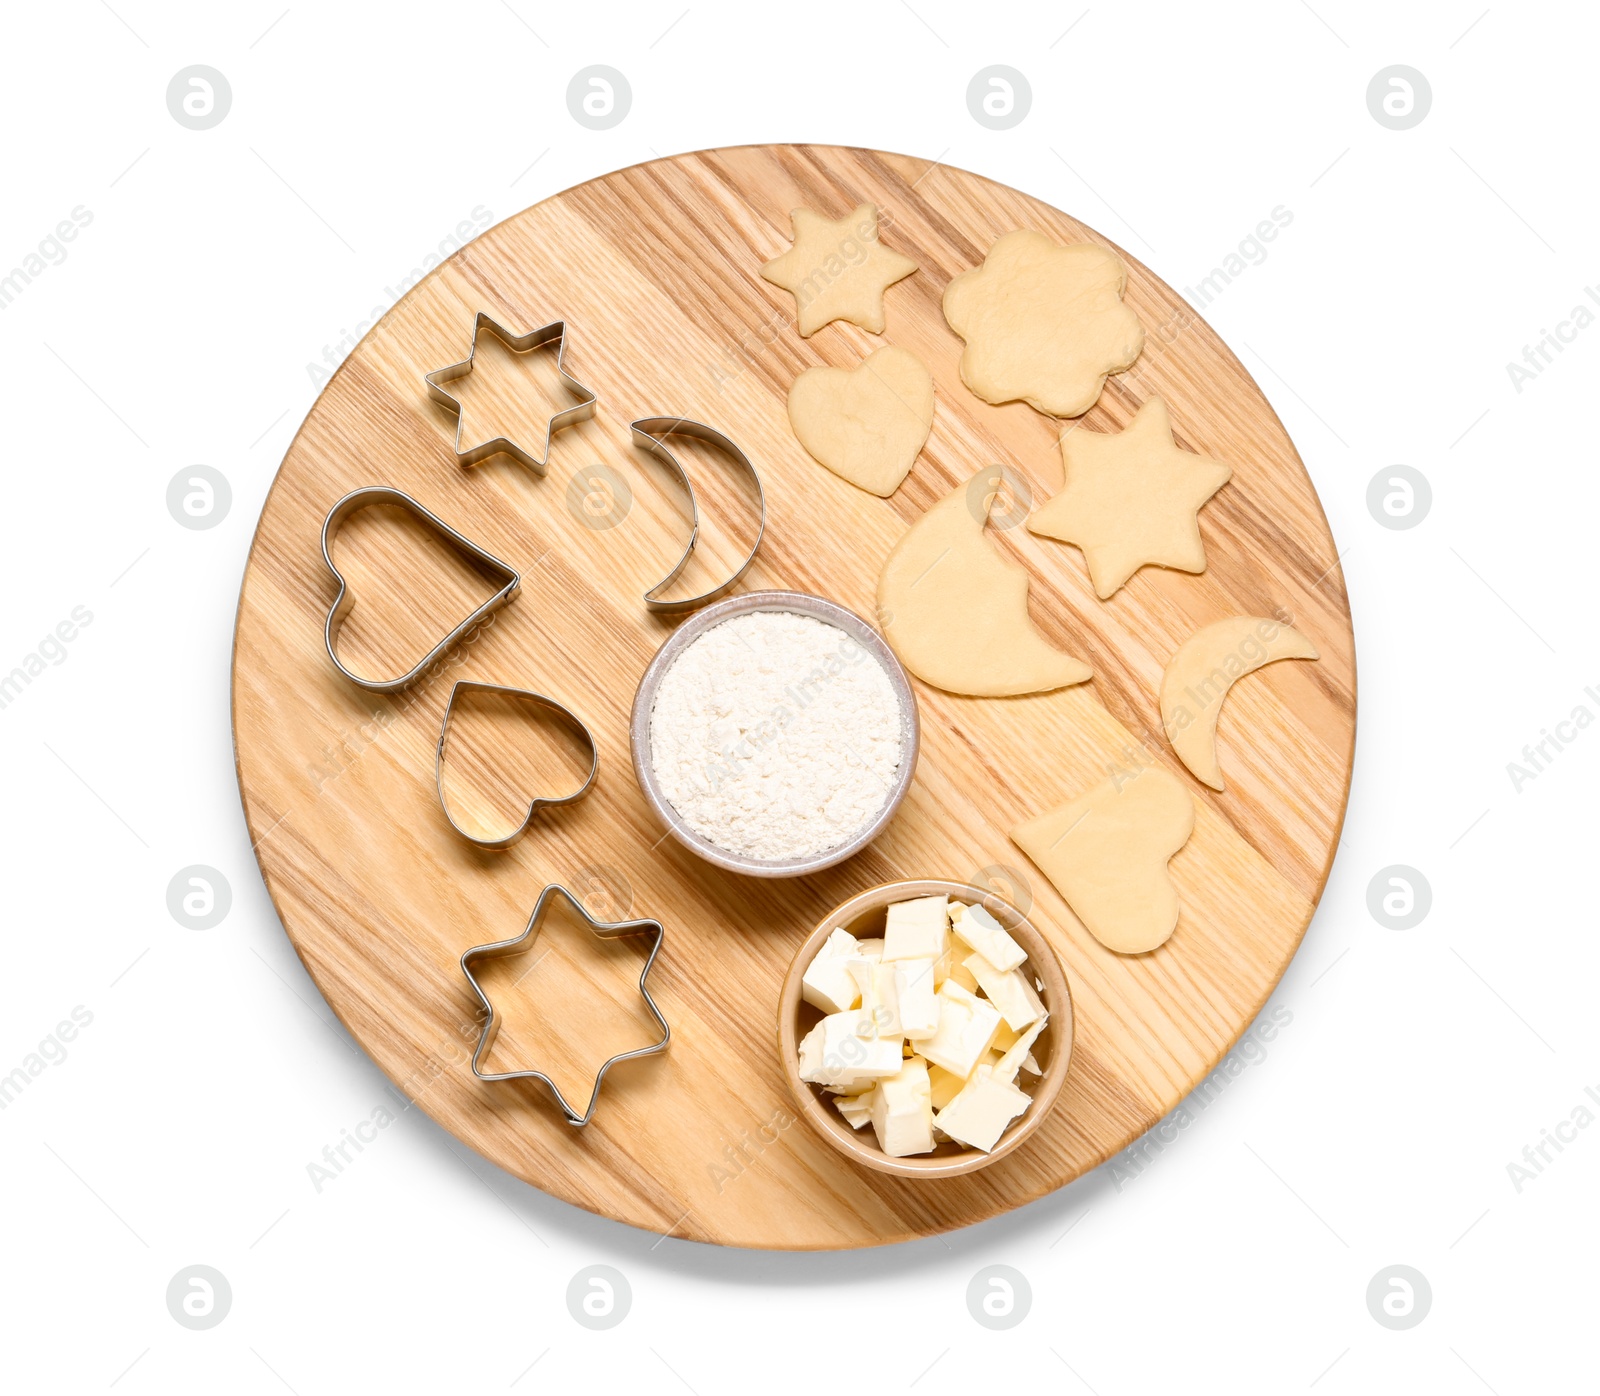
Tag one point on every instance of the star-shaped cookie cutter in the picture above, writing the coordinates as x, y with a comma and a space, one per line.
607, 930
518, 344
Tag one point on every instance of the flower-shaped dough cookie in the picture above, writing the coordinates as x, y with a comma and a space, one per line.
1043, 324
838, 270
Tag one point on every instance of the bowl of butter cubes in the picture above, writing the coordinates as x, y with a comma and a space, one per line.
925, 1028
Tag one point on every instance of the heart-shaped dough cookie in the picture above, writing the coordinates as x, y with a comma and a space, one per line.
1106, 852
868, 424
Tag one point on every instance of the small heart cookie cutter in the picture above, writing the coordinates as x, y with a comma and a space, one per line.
606, 930
538, 802
649, 433
555, 333
344, 602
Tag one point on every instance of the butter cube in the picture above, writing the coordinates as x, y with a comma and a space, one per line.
1008, 990
880, 994
957, 973
843, 1050
827, 983
981, 1110
870, 949
856, 1109
919, 999
902, 1111
916, 929
979, 931
944, 1086
992, 1059
967, 1026
1019, 1054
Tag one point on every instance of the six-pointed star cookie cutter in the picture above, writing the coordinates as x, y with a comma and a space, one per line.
344, 602
650, 433
606, 930
554, 333
538, 802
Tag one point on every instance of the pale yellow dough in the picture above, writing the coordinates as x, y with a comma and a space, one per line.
1200, 674
956, 612
1044, 324
838, 270
1131, 499
1106, 852
866, 425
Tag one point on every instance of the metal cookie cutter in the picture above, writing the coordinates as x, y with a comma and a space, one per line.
648, 432
344, 602
608, 930
539, 801
518, 344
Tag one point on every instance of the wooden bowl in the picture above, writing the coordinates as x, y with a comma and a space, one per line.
863, 917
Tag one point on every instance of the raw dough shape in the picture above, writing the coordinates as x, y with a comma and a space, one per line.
867, 425
1206, 666
956, 612
1106, 852
1043, 323
1132, 499
837, 270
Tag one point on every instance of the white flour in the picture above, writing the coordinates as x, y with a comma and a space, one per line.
775, 735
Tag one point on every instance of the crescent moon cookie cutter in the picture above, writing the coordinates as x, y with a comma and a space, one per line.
553, 333
538, 802
650, 433
344, 602
605, 930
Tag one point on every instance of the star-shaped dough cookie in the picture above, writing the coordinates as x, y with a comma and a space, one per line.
838, 270
1132, 499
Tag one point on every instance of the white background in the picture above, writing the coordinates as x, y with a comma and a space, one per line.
1418, 1063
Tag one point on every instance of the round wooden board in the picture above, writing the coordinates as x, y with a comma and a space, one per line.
656, 271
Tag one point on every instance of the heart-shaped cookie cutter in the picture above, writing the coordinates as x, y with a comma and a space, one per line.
555, 333
344, 602
649, 434
538, 802
606, 930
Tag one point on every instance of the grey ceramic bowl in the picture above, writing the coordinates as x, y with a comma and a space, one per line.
799, 603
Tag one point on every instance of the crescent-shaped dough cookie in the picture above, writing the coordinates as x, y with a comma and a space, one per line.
1200, 674
956, 612
1106, 852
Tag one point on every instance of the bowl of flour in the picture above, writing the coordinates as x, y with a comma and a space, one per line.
774, 734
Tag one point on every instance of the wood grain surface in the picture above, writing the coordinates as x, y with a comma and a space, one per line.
655, 270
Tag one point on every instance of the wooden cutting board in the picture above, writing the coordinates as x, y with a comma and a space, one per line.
655, 270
